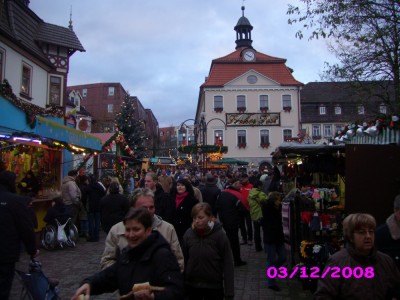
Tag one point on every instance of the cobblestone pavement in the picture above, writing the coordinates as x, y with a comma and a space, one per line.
71, 265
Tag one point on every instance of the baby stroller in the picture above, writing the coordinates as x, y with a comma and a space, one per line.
35, 285
64, 234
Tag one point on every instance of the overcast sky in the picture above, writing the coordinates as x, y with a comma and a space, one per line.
161, 51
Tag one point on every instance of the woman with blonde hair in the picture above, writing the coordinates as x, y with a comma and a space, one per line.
208, 257
359, 271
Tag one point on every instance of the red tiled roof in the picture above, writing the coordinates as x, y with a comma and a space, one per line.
103, 136
231, 66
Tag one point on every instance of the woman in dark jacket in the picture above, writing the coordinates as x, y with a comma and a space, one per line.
208, 257
147, 258
273, 235
94, 193
184, 198
113, 207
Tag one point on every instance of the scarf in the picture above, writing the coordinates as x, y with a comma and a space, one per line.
179, 198
203, 231
394, 227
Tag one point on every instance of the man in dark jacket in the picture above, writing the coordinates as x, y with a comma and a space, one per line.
230, 211
210, 193
273, 235
15, 226
387, 237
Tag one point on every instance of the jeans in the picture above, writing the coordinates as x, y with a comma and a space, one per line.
276, 256
94, 225
247, 235
257, 235
233, 237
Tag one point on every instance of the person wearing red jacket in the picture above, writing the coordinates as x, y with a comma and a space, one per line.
246, 226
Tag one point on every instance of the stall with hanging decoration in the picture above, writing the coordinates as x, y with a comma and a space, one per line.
116, 157
34, 138
313, 206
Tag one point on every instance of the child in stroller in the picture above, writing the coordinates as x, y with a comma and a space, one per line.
59, 229
35, 285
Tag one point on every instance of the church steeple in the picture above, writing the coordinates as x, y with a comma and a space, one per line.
243, 30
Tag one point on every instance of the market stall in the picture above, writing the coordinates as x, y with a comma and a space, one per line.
35, 139
313, 207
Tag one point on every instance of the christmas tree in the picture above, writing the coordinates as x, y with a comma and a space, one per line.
132, 129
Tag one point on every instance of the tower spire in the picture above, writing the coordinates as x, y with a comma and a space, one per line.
70, 19
243, 30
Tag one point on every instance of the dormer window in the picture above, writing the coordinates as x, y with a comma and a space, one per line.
322, 110
360, 110
338, 110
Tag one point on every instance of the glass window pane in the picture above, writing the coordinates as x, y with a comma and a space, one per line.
218, 102
263, 101
287, 101
241, 101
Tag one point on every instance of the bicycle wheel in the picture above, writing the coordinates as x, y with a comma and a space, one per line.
49, 237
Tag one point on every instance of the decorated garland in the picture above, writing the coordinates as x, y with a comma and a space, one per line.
203, 149
30, 110
370, 128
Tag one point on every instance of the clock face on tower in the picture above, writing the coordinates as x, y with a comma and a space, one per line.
249, 55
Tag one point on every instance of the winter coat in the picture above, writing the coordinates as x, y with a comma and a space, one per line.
94, 193
15, 226
210, 193
272, 224
183, 215
256, 198
152, 261
387, 239
208, 260
385, 283
70, 191
113, 209
230, 208
164, 204
245, 190
116, 241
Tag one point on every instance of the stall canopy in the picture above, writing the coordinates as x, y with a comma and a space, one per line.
293, 150
13, 120
59, 132
230, 161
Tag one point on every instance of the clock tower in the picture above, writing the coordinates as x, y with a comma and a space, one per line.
243, 30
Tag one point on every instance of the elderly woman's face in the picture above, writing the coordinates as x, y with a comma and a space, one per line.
180, 187
135, 232
364, 239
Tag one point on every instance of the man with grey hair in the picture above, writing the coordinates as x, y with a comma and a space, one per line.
388, 235
116, 240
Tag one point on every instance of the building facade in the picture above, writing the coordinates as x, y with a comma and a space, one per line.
103, 101
249, 102
329, 107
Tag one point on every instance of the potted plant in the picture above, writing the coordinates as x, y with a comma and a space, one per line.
242, 145
241, 109
287, 108
265, 145
264, 109
218, 109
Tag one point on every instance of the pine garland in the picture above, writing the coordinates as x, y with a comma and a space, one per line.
203, 149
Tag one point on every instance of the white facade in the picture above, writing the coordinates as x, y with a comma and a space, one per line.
12, 71
253, 151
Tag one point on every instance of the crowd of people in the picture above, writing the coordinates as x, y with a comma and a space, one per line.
179, 235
